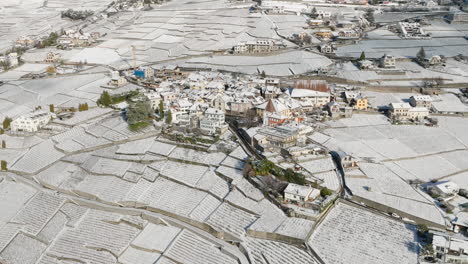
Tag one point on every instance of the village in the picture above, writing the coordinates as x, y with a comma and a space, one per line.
236, 132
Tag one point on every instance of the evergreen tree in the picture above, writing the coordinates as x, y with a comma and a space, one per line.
3, 165
421, 55
6, 122
370, 15
105, 99
161, 109
169, 117
139, 111
313, 12
263, 74
3, 144
363, 56
51, 108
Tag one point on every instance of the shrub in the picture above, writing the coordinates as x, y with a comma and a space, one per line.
3, 165
6, 122
325, 192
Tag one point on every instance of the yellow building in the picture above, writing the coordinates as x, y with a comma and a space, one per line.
360, 103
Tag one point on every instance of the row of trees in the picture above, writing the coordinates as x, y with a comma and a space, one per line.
161, 113
83, 107
266, 167
76, 14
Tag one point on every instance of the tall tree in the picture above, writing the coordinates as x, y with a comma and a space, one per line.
169, 117
51, 108
363, 56
3, 144
105, 99
3, 165
161, 109
370, 15
421, 55
139, 111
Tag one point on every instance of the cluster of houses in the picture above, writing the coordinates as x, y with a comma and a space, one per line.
258, 46
416, 109
10, 60
412, 30
72, 38
387, 61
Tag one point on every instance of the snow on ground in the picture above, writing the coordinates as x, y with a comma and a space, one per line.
383, 239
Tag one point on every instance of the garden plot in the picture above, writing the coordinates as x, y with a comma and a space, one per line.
161, 148
359, 120
387, 182
330, 180
350, 234
106, 188
231, 219
103, 166
172, 197
428, 167
205, 208
53, 227
448, 103
318, 165
458, 158
188, 247
156, 238
371, 190
461, 179
185, 173
387, 142
132, 255
233, 163
98, 238
239, 154
238, 199
37, 158
265, 251
84, 116
38, 212
13, 196
11, 155
456, 127
59, 175
197, 156
137, 147
23, 249
295, 227
213, 184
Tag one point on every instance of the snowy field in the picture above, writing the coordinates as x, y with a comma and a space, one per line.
383, 239
360, 137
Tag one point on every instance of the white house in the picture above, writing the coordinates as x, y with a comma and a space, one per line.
154, 98
445, 188
31, 122
299, 193
213, 121
387, 61
418, 113
117, 80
